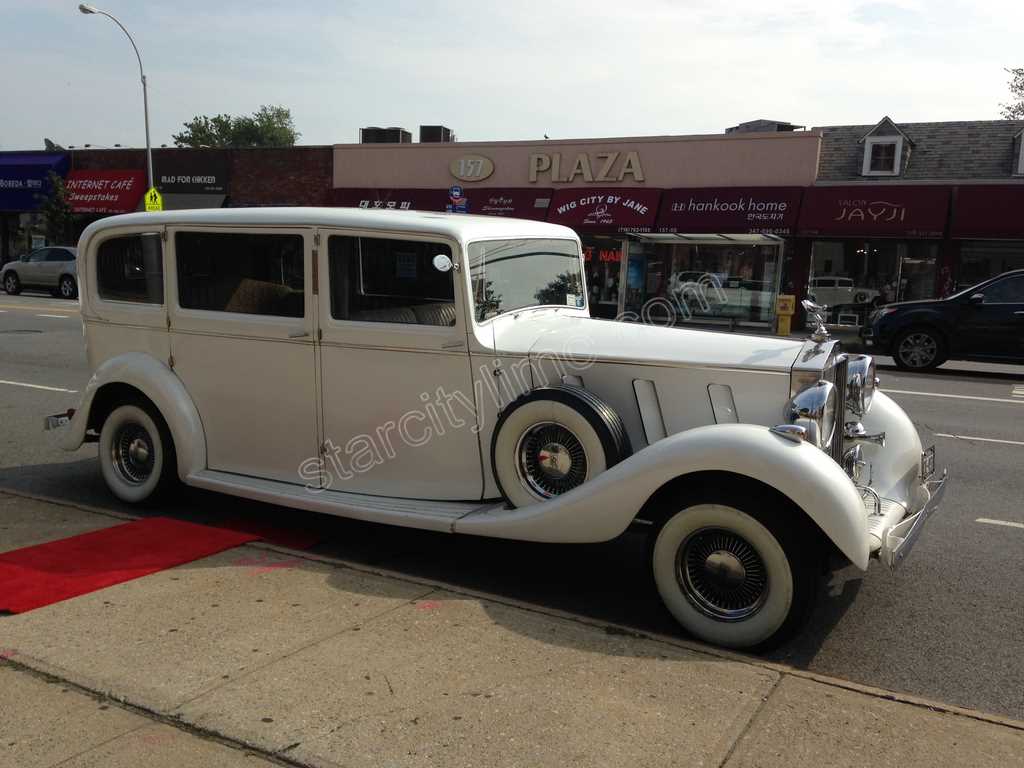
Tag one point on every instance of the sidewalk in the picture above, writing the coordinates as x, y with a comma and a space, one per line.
260, 654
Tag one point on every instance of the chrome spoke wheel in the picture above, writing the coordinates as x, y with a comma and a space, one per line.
918, 350
132, 454
550, 460
66, 288
721, 574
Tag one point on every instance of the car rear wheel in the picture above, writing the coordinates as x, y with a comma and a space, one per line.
137, 455
12, 284
734, 570
552, 440
919, 349
68, 288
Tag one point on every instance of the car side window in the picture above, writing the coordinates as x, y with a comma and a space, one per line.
37, 256
58, 254
131, 268
1008, 291
383, 280
249, 273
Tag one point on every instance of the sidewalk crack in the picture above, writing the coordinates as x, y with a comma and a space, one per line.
750, 722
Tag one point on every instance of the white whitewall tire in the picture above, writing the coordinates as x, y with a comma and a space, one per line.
137, 457
732, 579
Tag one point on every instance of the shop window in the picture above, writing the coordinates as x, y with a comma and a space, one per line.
603, 260
379, 280
984, 259
248, 273
882, 155
131, 268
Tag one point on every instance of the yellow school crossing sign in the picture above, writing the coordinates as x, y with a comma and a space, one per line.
154, 200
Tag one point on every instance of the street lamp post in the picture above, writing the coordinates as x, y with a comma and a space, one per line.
89, 9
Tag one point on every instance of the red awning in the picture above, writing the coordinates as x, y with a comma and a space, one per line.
875, 211
391, 199
730, 210
517, 202
989, 211
105, 191
605, 210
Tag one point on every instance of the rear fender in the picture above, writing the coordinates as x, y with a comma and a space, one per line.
604, 507
159, 383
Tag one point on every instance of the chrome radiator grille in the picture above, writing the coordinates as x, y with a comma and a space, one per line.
835, 448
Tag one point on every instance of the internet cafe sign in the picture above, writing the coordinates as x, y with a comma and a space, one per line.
586, 167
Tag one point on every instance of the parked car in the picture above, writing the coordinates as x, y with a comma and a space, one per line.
442, 372
839, 291
983, 322
53, 268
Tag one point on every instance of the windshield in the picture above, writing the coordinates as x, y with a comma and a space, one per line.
513, 274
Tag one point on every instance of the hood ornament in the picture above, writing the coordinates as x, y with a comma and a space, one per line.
817, 313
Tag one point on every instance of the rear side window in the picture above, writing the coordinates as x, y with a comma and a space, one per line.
58, 254
248, 273
131, 268
380, 280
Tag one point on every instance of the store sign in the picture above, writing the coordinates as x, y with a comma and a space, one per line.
519, 203
471, 167
191, 172
392, 199
585, 167
606, 210
724, 210
105, 191
24, 178
897, 211
989, 211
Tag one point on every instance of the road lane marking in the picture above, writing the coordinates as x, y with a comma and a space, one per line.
37, 386
59, 317
955, 397
1007, 523
980, 439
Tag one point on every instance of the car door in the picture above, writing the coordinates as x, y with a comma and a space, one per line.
56, 260
242, 324
32, 270
397, 393
994, 326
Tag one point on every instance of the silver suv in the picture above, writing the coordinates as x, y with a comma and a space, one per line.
53, 268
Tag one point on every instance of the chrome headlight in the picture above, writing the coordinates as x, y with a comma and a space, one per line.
814, 409
860, 383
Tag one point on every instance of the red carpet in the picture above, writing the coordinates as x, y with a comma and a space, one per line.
48, 573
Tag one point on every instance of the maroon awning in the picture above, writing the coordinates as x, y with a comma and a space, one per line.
990, 211
735, 210
605, 210
875, 211
394, 199
517, 202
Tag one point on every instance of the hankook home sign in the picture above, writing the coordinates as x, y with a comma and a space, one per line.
738, 210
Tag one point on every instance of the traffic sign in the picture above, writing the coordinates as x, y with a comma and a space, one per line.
154, 200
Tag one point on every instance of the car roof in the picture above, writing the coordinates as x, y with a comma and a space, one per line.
459, 226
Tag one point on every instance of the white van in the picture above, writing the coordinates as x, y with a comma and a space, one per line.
442, 371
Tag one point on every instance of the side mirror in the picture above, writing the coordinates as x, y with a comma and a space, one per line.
442, 262
977, 299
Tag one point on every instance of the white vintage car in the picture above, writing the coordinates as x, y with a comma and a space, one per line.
442, 372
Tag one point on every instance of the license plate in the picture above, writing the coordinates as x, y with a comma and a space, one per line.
56, 422
928, 463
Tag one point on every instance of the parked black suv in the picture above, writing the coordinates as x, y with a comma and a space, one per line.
983, 322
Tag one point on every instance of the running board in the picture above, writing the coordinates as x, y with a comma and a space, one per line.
411, 513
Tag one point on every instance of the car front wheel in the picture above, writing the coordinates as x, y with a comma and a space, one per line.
735, 572
12, 284
68, 287
137, 455
919, 349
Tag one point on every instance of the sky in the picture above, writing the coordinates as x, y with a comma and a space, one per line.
516, 69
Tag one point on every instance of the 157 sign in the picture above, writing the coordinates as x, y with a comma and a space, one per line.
471, 167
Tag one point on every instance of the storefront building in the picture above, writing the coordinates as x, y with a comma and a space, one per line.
677, 229
911, 211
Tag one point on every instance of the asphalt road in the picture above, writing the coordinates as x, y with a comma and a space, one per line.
949, 625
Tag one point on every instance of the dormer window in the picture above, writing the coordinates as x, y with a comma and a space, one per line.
1018, 154
882, 155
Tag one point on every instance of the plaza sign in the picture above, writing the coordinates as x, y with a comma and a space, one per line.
587, 167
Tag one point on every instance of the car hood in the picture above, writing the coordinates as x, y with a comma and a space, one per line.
916, 304
560, 335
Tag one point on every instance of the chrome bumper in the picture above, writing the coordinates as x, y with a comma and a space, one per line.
901, 537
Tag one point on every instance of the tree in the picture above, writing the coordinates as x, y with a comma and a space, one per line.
56, 212
1015, 111
267, 127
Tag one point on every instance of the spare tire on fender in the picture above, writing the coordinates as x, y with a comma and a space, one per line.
553, 439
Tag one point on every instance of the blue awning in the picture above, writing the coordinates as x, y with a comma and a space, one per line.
24, 178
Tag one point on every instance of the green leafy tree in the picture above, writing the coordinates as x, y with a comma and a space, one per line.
1015, 109
267, 127
56, 212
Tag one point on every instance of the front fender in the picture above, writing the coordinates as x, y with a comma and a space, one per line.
160, 384
604, 507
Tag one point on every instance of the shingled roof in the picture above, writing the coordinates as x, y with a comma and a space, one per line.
973, 149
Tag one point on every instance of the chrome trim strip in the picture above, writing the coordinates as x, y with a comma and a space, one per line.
901, 537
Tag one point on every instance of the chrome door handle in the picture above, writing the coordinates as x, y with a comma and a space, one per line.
1019, 314
298, 335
